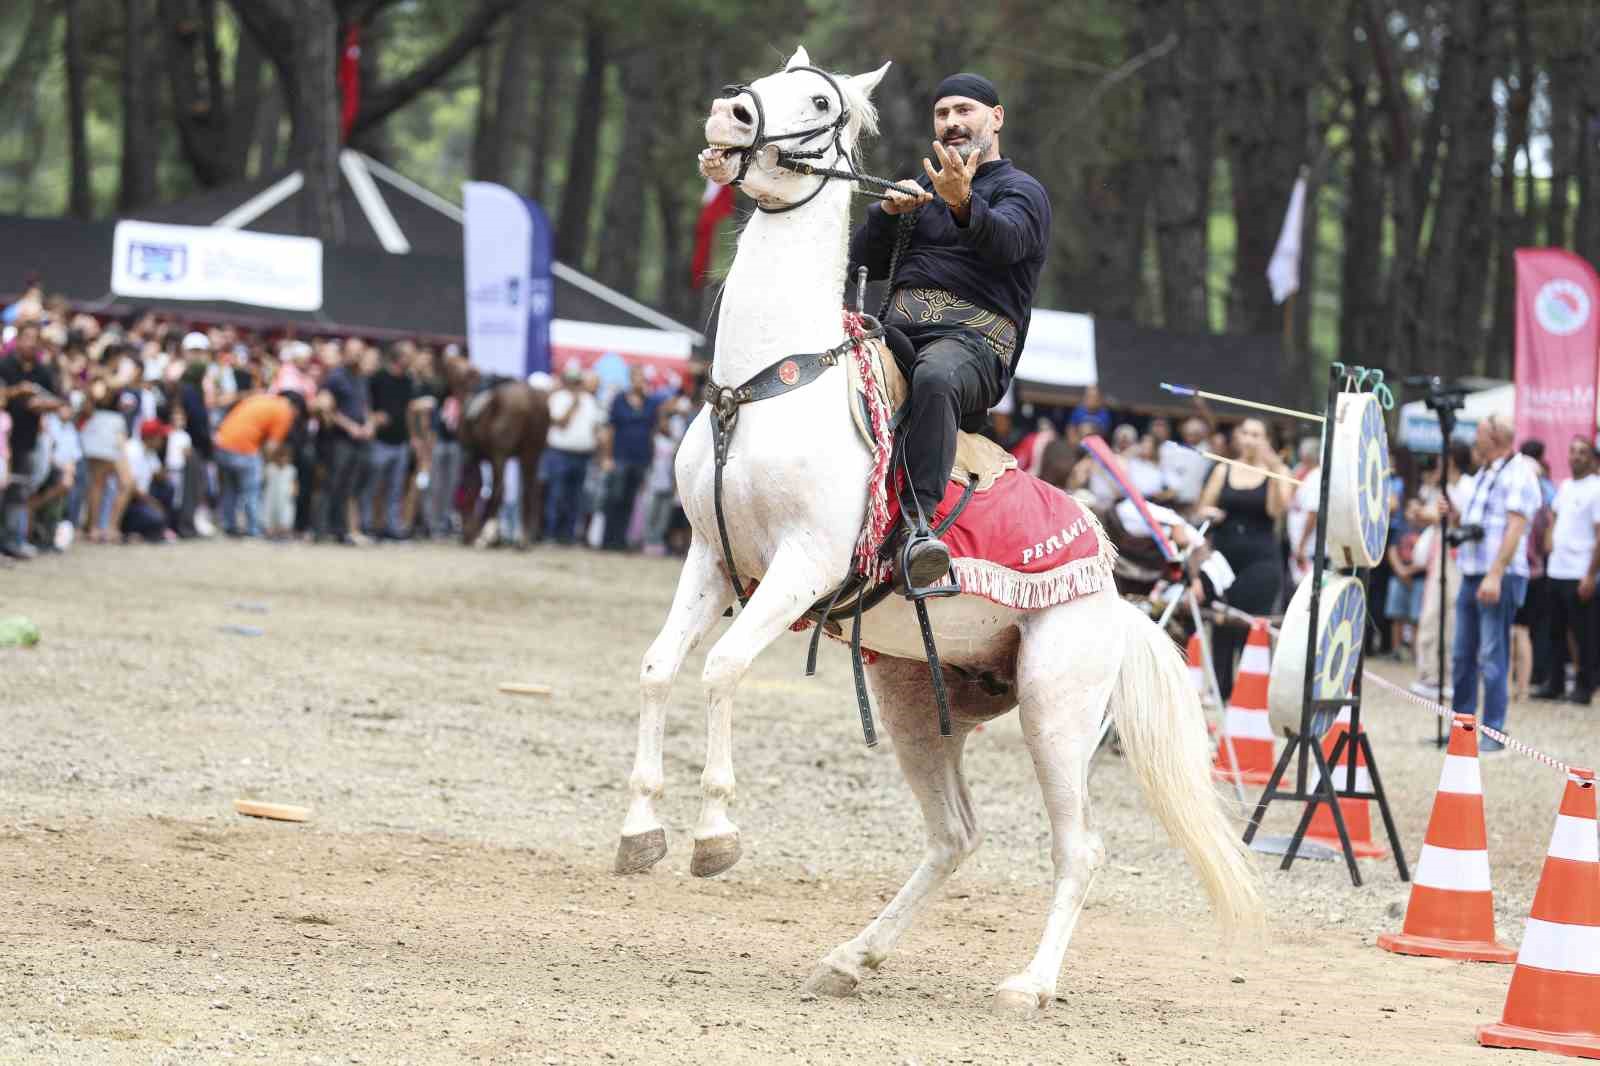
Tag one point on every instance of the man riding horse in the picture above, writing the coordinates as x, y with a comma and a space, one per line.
964, 272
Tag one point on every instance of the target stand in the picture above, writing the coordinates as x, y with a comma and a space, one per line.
1354, 449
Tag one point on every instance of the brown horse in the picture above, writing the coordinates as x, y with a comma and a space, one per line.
506, 421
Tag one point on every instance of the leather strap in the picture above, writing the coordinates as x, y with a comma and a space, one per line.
863, 701
935, 668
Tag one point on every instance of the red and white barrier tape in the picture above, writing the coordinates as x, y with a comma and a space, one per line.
1437, 708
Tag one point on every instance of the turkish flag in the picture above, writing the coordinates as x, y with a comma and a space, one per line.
349, 80
1558, 342
715, 205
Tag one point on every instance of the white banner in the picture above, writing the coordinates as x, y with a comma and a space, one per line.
510, 293
152, 259
1059, 351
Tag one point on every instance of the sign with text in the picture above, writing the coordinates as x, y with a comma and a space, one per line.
510, 290
1558, 336
160, 261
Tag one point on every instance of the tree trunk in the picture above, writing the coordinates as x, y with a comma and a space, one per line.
194, 79
1360, 305
312, 93
501, 155
1565, 71
269, 120
1451, 304
372, 140
1586, 231
620, 237
80, 198
1180, 166
551, 58
672, 207
1264, 94
483, 118
249, 71
1509, 218
137, 180
577, 193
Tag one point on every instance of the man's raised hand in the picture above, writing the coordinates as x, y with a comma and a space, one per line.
953, 180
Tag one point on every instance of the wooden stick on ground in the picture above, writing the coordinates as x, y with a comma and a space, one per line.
513, 688
278, 812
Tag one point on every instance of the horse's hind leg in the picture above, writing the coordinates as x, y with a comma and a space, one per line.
794, 581
703, 593
1066, 669
932, 767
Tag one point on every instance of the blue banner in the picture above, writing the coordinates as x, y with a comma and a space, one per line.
510, 289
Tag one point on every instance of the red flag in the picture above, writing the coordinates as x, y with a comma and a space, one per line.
715, 205
349, 80
1558, 338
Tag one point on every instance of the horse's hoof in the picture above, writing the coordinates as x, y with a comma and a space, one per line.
713, 855
829, 980
1019, 1001
637, 853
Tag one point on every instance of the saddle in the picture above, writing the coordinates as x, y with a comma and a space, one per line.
978, 459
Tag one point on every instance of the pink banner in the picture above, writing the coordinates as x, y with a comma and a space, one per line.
1558, 337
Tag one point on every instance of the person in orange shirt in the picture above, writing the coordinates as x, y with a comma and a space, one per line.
257, 422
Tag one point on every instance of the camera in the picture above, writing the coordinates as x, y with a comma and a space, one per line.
1469, 534
1441, 397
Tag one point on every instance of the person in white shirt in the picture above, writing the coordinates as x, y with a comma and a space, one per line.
1574, 563
1492, 533
575, 420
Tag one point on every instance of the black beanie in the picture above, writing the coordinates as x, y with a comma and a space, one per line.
973, 86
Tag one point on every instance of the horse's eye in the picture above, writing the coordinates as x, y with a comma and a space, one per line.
821, 102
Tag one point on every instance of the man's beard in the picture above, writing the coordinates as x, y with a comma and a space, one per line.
978, 143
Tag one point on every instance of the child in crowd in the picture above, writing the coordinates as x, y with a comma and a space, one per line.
278, 495
661, 483
104, 439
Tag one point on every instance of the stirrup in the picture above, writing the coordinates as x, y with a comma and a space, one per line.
918, 576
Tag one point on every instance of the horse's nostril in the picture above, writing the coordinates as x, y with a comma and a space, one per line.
742, 114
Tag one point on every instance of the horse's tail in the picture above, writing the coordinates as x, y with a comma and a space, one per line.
1158, 717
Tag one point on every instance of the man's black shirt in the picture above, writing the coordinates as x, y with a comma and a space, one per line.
993, 261
24, 422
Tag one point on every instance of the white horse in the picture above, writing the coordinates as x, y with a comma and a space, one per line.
795, 494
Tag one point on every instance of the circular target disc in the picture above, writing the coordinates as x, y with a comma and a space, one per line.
1338, 648
1372, 499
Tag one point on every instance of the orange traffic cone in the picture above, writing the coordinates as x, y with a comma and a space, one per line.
1245, 722
1197, 676
1554, 1002
1451, 914
1356, 818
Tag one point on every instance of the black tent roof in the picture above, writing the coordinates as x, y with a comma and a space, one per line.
367, 287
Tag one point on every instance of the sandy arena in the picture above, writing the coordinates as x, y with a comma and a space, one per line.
452, 901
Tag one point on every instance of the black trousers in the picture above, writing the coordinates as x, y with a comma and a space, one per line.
346, 460
622, 489
953, 378
1568, 614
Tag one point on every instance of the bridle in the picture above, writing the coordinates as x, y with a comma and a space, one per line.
796, 160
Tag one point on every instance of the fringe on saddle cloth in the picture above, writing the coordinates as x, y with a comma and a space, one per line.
1019, 543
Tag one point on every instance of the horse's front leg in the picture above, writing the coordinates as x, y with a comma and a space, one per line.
792, 583
703, 593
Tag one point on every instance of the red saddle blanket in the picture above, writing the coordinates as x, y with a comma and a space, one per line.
1024, 543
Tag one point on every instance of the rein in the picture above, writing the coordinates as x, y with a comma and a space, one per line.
800, 162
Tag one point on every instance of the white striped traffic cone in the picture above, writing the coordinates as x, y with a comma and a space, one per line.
1245, 722
1451, 913
1357, 817
1554, 1001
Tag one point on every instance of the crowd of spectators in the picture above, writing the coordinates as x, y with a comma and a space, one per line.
1521, 620
151, 429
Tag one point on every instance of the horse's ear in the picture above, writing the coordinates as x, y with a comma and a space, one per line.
867, 82
799, 59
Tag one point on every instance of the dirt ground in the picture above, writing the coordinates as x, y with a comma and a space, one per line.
451, 899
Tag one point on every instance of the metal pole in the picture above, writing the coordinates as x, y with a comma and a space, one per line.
1447, 421
1318, 564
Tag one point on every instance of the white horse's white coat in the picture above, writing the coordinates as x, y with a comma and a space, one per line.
795, 494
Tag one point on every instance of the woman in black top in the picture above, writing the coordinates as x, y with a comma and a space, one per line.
1244, 507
